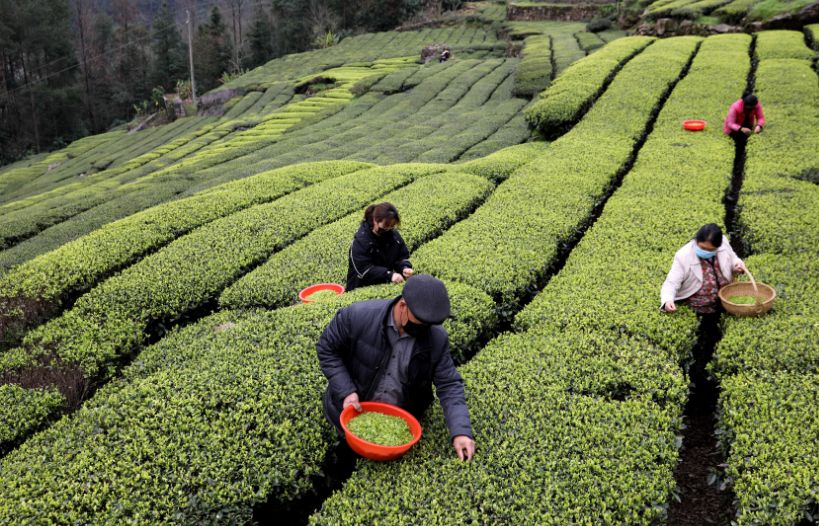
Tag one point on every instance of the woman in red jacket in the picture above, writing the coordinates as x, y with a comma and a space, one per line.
744, 116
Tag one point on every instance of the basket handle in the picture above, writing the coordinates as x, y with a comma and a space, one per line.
756, 290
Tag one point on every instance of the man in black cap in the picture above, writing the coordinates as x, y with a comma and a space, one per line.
394, 351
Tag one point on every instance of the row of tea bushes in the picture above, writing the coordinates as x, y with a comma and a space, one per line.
556, 444
105, 165
577, 426
544, 203
428, 207
215, 418
365, 48
499, 165
589, 41
535, 70
769, 367
115, 318
40, 287
365, 122
16, 180
576, 89
515, 131
41, 405
680, 173
781, 44
812, 32
188, 153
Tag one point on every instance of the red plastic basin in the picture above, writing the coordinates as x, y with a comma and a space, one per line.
312, 289
376, 451
694, 125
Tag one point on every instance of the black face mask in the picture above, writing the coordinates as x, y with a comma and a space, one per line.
415, 329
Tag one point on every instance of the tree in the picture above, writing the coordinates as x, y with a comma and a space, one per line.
260, 39
169, 53
212, 51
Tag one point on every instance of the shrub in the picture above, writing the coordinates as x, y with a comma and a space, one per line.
575, 90
213, 423
535, 70
427, 207
115, 318
769, 422
562, 186
73, 268
781, 44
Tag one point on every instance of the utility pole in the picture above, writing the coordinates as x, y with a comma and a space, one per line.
190, 55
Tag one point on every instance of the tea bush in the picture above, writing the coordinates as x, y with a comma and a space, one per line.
589, 41
553, 447
76, 266
216, 417
116, 317
535, 70
781, 44
680, 173
552, 197
576, 89
427, 207
770, 421
769, 367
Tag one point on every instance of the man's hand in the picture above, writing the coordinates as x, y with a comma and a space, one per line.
746, 131
670, 307
739, 267
352, 399
464, 446
397, 278
408, 272
758, 128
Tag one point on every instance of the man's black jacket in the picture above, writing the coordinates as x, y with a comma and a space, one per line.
354, 350
372, 257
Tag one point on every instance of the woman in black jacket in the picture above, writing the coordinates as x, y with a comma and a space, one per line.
378, 254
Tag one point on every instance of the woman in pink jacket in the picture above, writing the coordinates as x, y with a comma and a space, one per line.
740, 121
700, 269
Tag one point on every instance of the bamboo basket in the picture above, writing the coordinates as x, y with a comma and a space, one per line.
764, 294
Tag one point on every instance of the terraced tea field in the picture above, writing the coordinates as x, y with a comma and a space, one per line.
156, 369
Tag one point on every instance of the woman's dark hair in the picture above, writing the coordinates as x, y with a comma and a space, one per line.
750, 101
381, 212
709, 233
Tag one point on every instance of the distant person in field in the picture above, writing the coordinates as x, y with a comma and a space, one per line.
744, 118
378, 253
394, 351
444, 56
702, 267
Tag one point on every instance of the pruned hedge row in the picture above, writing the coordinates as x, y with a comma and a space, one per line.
676, 185
551, 197
579, 426
812, 31
115, 318
39, 406
559, 442
18, 180
427, 207
174, 159
38, 288
781, 44
205, 424
500, 165
769, 367
589, 41
573, 92
535, 70
770, 421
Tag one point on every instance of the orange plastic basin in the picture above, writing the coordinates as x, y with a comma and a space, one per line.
305, 294
694, 125
376, 451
